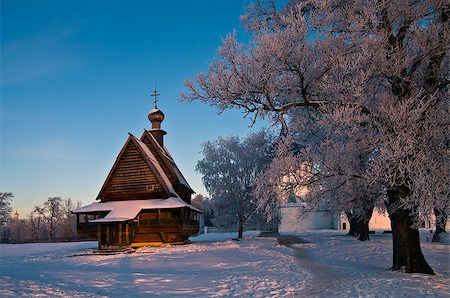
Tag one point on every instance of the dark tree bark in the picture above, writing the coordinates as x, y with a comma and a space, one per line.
359, 224
441, 220
407, 254
363, 225
240, 228
353, 224
353, 231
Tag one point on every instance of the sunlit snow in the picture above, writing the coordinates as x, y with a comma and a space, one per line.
316, 263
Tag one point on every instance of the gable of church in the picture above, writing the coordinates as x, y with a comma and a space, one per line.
132, 178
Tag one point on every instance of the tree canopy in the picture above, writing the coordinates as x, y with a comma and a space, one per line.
229, 168
376, 73
5, 207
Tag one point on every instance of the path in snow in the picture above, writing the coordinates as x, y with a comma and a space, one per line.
340, 266
324, 280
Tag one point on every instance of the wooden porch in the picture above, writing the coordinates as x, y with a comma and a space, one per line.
150, 228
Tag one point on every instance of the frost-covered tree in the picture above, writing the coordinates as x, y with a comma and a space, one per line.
203, 203
331, 178
18, 232
396, 85
68, 220
197, 201
5, 207
338, 157
377, 65
35, 221
278, 75
229, 167
339, 181
52, 212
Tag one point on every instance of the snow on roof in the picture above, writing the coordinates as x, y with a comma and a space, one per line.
127, 210
181, 177
111, 219
156, 164
165, 153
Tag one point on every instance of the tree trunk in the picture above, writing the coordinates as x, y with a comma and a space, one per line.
363, 225
240, 228
407, 254
441, 220
50, 231
36, 231
363, 230
353, 229
359, 225
352, 222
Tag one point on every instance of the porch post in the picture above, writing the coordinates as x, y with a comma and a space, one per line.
99, 236
107, 235
127, 236
120, 235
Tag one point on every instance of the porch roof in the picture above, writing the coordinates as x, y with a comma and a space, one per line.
120, 211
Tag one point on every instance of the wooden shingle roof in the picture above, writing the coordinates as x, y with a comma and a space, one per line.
165, 159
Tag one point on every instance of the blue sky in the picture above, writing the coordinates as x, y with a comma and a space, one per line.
76, 77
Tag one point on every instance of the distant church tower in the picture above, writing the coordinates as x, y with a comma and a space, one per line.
16, 216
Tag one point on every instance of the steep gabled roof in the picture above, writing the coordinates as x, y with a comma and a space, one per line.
166, 158
149, 160
153, 164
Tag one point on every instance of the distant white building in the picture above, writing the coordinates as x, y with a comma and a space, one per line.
295, 217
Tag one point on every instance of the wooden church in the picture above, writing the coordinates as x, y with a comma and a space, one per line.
145, 200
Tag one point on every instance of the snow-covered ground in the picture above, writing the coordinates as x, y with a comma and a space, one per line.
341, 266
211, 266
330, 264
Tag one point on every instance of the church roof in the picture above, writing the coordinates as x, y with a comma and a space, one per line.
154, 163
167, 159
150, 162
120, 211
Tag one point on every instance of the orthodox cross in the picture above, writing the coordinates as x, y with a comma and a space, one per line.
155, 94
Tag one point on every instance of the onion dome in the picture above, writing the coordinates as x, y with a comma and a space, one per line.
156, 117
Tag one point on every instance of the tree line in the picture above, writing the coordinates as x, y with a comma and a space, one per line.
49, 222
359, 91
